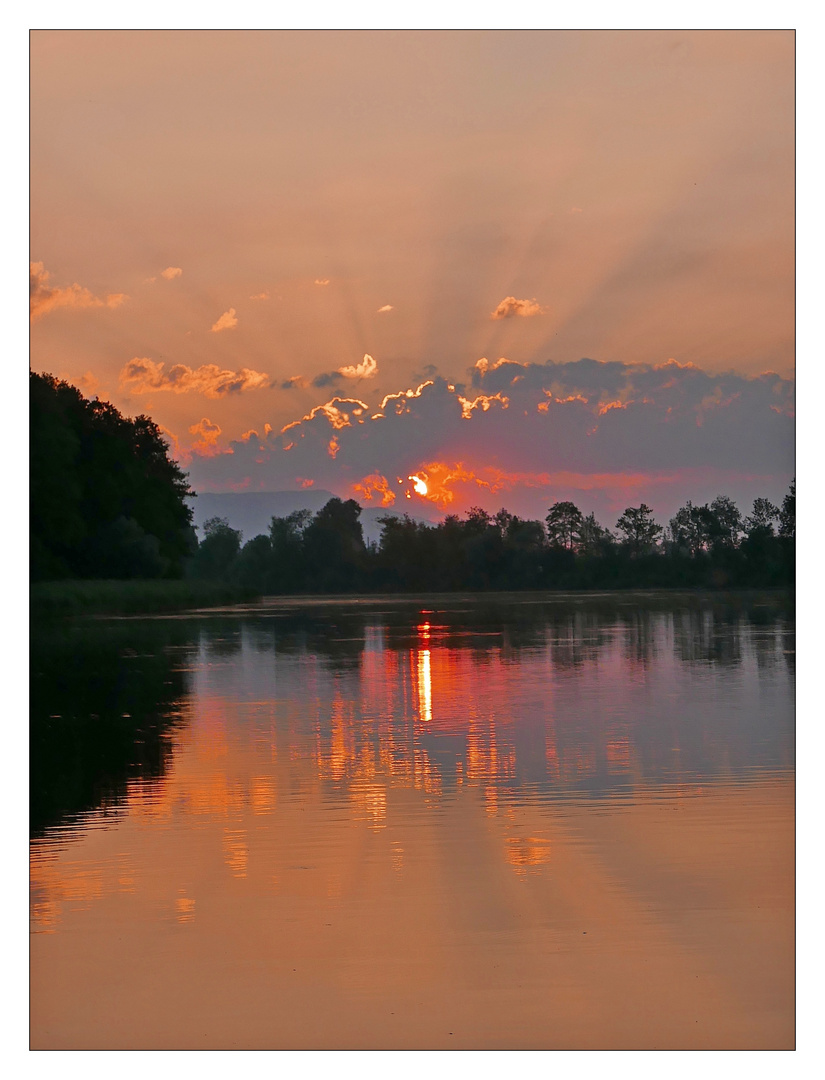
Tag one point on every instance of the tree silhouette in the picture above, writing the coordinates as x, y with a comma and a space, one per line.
640, 530
106, 499
787, 515
218, 550
564, 521
762, 517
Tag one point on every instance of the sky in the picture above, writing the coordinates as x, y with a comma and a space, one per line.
519, 266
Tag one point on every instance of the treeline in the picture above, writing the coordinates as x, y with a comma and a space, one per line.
709, 546
106, 500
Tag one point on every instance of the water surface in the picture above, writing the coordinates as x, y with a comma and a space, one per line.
486, 822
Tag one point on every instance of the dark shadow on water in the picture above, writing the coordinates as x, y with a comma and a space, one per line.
104, 704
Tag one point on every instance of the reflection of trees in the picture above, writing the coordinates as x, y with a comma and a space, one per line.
102, 708
707, 636
642, 634
413, 694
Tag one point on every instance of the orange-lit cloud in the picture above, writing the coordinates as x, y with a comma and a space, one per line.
322, 281
386, 307
602, 432
43, 298
227, 321
338, 417
304, 482
207, 432
259, 296
400, 399
143, 375
365, 370
297, 382
373, 487
442, 483
171, 272
483, 402
483, 365
510, 307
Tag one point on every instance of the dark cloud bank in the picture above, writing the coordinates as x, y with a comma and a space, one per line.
604, 434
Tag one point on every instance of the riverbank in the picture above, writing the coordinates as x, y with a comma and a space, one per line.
54, 599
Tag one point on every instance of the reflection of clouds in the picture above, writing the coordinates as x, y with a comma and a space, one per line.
429, 706
236, 851
525, 853
184, 907
75, 883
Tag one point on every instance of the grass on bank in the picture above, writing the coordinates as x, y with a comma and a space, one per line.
76, 597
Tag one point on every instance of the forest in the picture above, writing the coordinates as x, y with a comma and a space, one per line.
107, 502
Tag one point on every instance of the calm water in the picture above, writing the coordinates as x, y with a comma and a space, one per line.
462, 822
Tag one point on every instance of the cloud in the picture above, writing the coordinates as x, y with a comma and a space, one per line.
375, 486
327, 378
386, 307
297, 382
322, 281
207, 432
143, 375
606, 435
510, 307
171, 272
337, 417
227, 321
365, 370
44, 298
260, 296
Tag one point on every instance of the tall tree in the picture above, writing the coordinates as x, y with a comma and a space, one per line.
101, 486
640, 530
217, 552
564, 521
761, 518
787, 515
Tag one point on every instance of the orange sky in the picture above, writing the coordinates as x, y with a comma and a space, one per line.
214, 214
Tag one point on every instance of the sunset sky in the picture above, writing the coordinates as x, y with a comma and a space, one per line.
525, 265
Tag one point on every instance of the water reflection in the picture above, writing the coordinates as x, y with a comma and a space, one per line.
395, 795
524, 694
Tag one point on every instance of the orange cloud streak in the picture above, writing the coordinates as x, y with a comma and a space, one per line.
43, 298
445, 482
373, 486
143, 375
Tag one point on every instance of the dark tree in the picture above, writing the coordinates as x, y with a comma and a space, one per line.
787, 515
564, 522
333, 544
106, 499
593, 538
640, 530
215, 558
762, 517
288, 567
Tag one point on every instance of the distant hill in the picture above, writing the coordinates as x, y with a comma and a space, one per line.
252, 511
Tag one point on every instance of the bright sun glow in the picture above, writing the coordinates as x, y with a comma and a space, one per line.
419, 484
